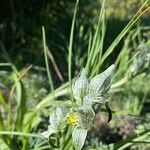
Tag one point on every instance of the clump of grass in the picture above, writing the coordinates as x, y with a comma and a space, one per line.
18, 123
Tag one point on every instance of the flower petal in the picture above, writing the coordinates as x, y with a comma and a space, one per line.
57, 117
47, 133
78, 137
80, 87
86, 116
102, 82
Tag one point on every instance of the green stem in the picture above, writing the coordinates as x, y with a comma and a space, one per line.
46, 61
21, 134
45, 102
71, 47
126, 143
67, 139
120, 83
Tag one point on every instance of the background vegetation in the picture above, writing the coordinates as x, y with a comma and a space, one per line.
26, 91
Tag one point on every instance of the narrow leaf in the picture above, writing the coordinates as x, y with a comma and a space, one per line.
3, 145
109, 112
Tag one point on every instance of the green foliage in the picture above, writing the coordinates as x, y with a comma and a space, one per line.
72, 106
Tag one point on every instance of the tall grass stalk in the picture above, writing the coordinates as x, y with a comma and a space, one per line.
71, 48
46, 61
121, 35
97, 40
21, 134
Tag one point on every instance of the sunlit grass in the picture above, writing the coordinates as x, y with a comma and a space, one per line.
21, 125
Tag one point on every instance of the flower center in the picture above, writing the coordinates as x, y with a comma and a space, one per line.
72, 118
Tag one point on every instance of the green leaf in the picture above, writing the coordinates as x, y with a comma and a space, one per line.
21, 103
3, 145
102, 82
80, 87
109, 112
78, 137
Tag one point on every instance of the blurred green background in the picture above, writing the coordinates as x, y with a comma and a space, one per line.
21, 44
21, 21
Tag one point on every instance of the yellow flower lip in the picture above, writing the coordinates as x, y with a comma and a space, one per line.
72, 118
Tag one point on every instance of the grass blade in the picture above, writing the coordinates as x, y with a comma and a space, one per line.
122, 34
46, 60
71, 47
21, 134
